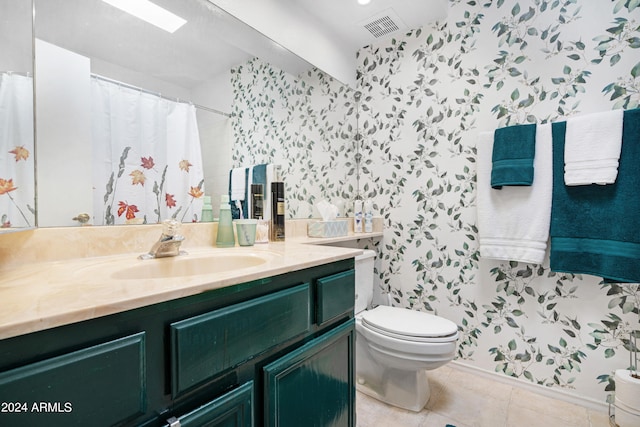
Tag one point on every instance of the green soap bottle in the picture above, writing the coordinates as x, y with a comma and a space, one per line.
207, 210
225, 237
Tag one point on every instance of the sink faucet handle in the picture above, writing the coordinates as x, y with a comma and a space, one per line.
169, 242
171, 227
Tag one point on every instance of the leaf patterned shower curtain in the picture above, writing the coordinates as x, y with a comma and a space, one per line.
17, 176
147, 157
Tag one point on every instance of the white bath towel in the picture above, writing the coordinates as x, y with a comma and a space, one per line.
247, 194
238, 184
513, 223
267, 196
592, 148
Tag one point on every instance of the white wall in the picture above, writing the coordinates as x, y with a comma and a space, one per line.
294, 28
141, 80
15, 36
215, 135
63, 126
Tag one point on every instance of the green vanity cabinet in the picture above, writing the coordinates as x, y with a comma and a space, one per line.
233, 409
313, 385
335, 296
205, 345
219, 358
105, 382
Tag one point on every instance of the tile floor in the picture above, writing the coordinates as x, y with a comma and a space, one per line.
467, 400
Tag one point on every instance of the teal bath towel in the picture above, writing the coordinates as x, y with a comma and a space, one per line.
260, 177
514, 148
595, 229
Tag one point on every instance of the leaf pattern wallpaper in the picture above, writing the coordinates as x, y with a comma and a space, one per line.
306, 125
425, 95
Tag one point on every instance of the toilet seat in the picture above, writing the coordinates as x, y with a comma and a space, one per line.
409, 325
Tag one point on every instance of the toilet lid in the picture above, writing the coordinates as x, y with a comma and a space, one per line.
408, 323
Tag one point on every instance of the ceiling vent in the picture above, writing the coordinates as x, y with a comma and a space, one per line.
383, 23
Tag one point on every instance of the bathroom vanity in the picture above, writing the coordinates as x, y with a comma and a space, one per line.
270, 345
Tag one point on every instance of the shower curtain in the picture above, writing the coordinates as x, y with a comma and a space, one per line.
17, 176
147, 161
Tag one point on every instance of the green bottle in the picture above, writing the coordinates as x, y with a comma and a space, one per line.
225, 237
207, 210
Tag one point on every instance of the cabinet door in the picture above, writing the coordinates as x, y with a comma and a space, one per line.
233, 409
96, 386
313, 386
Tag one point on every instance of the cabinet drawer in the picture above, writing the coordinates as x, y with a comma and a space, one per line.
233, 409
335, 296
206, 345
98, 386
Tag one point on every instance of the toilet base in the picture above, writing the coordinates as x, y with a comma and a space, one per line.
405, 389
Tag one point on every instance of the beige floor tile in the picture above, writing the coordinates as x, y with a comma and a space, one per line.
468, 381
368, 410
441, 373
468, 406
438, 379
401, 419
436, 420
570, 414
598, 419
373, 413
519, 416
463, 399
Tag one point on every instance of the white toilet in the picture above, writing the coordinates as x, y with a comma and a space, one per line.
396, 346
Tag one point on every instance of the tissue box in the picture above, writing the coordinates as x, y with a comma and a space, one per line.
335, 228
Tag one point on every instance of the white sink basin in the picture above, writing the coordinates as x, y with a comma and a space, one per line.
185, 266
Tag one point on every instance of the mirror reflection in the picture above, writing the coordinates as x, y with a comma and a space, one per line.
17, 186
133, 120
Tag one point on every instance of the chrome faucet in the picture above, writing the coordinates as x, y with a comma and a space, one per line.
169, 242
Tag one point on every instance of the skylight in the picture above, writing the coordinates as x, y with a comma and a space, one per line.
149, 12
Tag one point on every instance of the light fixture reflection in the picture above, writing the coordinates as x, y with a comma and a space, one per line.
149, 12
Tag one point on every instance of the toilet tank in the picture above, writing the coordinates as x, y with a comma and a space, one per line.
364, 280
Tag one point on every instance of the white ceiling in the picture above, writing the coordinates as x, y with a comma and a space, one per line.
346, 18
212, 41
196, 52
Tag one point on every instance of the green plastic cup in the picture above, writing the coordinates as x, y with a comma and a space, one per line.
246, 231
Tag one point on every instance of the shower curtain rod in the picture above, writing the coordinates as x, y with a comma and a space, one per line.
127, 85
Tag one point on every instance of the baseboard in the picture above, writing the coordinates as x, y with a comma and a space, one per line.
535, 388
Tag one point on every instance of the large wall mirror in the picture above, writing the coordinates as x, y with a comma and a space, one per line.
17, 186
133, 119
